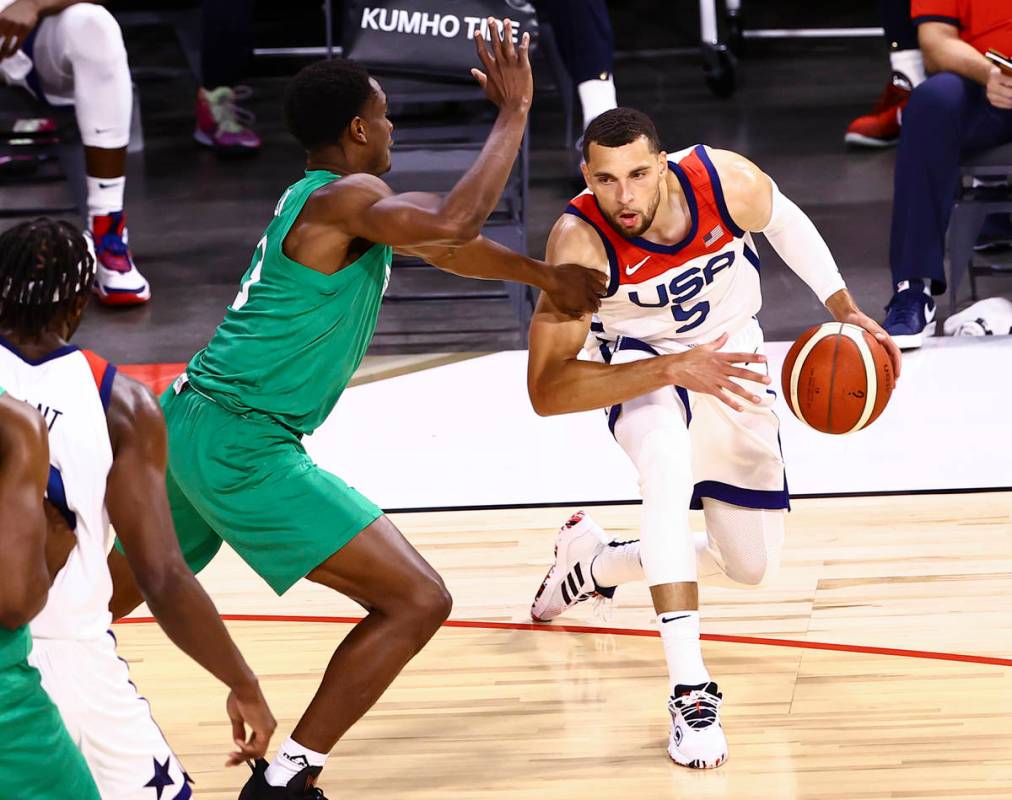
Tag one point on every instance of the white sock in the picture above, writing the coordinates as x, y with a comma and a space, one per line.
596, 97
680, 636
618, 563
903, 285
290, 760
910, 64
105, 195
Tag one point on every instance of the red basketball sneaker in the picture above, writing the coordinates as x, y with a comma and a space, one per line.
881, 128
118, 282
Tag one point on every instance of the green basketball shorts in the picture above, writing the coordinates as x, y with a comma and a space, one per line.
38, 759
248, 481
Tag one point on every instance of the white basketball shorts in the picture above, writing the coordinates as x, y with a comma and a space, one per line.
108, 720
736, 455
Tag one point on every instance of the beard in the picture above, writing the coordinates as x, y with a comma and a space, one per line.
646, 220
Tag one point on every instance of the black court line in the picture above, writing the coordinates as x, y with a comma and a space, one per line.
593, 503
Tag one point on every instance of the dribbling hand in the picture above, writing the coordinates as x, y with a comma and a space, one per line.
862, 320
507, 78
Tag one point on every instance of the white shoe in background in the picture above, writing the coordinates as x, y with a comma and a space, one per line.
990, 317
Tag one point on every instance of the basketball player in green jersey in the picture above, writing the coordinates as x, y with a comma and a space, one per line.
30, 725
289, 344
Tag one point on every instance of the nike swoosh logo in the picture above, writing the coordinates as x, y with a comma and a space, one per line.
929, 314
105, 185
632, 270
672, 619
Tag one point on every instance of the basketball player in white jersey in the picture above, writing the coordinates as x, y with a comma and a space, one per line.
674, 235
29, 722
107, 451
71, 53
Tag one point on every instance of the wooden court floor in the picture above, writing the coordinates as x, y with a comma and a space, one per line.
917, 703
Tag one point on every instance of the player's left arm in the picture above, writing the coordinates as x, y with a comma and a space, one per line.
756, 204
139, 511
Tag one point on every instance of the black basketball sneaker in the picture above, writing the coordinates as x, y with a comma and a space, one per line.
301, 787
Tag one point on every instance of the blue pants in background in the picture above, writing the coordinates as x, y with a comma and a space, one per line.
947, 117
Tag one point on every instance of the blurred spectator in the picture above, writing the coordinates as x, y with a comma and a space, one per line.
586, 43
965, 105
69, 53
226, 51
881, 128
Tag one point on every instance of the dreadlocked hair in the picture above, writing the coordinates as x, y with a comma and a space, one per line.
45, 267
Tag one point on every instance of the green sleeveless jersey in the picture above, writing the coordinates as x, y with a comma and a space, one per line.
293, 337
14, 644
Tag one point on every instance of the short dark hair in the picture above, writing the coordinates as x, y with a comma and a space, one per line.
323, 98
45, 267
620, 126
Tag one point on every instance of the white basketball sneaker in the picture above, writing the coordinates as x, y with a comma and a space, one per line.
569, 581
697, 739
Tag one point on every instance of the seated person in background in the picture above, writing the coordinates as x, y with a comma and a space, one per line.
225, 52
881, 127
965, 105
71, 53
586, 43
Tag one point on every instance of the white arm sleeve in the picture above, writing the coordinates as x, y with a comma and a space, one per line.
801, 246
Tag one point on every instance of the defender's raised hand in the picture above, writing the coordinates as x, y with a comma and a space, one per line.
507, 78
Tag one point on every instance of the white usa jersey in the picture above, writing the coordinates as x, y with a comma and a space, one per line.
689, 292
71, 388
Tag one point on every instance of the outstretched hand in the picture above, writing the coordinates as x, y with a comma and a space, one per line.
507, 78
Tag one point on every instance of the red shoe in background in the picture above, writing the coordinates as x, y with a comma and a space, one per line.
881, 128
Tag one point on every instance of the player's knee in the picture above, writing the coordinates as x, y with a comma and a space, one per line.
663, 459
431, 601
93, 34
756, 571
939, 98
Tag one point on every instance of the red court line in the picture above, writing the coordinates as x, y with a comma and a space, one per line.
156, 376
711, 637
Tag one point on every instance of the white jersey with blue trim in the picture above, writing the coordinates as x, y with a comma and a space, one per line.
71, 387
689, 292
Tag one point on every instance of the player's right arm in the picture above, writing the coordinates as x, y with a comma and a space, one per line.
139, 511
944, 51
559, 383
24, 472
363, 206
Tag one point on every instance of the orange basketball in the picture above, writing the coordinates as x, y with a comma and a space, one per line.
837, 378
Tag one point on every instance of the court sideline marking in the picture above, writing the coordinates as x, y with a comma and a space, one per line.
710, 637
